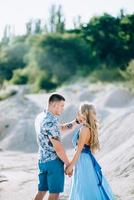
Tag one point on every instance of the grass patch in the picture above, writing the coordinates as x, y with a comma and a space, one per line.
106, 75
6, 94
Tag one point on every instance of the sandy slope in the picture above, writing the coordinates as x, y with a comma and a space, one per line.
115, 109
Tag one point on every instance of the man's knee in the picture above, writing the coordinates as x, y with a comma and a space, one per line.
53, 196
40, 196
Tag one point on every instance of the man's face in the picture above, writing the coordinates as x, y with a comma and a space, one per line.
59, 107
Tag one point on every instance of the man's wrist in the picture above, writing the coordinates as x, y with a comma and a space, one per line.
67, 163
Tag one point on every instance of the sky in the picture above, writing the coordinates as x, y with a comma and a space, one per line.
17, 13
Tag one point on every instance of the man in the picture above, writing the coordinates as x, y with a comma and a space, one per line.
52, 156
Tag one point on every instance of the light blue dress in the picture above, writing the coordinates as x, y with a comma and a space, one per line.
88, 182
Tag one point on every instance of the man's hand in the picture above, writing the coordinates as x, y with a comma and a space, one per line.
69, 170
65, 127
60, 150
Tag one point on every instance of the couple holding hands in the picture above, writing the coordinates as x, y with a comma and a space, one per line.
88, 182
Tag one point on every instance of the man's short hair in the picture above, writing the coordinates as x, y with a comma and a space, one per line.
56, 97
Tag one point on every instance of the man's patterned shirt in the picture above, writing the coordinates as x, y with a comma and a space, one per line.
48, 129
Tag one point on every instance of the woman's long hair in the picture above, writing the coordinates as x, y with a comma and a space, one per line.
88, 110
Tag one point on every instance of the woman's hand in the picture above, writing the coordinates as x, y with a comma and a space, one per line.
69, 170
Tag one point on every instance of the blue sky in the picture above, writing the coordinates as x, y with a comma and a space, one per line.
17, 13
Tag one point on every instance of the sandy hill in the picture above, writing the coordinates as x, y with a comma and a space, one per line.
115, 110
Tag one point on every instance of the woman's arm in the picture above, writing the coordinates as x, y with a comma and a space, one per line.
84, 136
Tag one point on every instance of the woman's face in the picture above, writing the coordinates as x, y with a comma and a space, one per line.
81, 118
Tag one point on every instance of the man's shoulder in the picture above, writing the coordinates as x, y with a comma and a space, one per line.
38, 121
48, 122
49, 119
39, 117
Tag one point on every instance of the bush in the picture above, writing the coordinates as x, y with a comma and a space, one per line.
61, 55
44, 82
32, 75
6, 94
129, 75
19, 77
12, 57
106, 75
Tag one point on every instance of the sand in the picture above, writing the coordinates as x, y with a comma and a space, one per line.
18, 146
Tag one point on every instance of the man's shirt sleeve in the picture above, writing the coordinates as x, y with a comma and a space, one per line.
51, 129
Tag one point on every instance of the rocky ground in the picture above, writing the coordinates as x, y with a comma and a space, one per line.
18, 146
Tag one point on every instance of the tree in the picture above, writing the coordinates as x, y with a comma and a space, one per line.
56, 22
60, 56
111, 38
8, 34
29, 27
37, 28
77, 22
60, 23
12, 58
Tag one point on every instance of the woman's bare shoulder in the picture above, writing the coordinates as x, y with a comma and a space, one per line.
84, 130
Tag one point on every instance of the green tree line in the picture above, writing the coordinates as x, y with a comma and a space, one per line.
49, 54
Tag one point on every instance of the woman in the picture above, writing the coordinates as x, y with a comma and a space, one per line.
88, 182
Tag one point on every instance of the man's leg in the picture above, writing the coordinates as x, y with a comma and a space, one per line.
55, 178
42, 182
40, 196
54, 196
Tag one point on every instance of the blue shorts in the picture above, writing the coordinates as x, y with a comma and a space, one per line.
51, 176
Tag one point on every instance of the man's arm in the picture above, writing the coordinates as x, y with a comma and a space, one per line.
60, 150
53, 134
69, 126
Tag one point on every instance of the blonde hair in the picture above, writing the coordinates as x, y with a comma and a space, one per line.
88, 110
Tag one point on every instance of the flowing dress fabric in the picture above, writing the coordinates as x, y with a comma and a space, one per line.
88, 182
